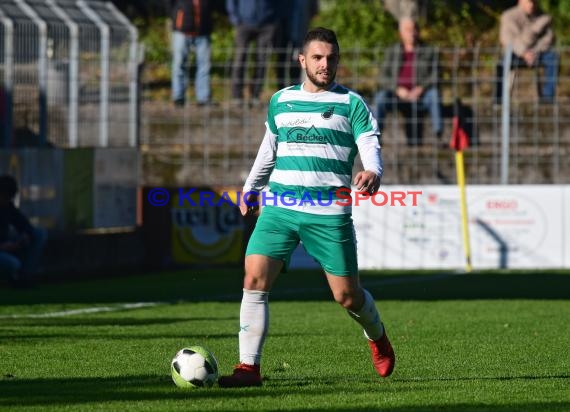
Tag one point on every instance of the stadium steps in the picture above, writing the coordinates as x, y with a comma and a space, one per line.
217, 146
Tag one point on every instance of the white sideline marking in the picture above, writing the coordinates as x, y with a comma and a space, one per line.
82, 311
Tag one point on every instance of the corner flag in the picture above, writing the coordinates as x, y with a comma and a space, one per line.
459, 137
459, 142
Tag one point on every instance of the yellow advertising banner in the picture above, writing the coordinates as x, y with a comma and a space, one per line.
206, 227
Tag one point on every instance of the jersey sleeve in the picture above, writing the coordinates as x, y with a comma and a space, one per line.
271, 112
362, 121
264, 163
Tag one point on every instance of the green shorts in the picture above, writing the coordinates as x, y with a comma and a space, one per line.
330, 240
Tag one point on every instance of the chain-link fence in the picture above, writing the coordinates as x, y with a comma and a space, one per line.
216, 145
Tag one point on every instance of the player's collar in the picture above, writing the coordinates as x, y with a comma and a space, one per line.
330, 89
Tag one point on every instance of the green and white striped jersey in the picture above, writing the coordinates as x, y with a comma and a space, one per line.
317, 136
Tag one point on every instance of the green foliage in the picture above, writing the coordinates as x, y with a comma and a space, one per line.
156, 39
365, 23
222, 38
358, 22
560, 10
155, 35
451, 26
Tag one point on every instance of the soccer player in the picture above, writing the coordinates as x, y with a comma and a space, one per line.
313, 132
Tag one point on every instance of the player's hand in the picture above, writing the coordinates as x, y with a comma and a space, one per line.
250, 205
367, 181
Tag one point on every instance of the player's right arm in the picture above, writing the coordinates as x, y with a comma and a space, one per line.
260, 171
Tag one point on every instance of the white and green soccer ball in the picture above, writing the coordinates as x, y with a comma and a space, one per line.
194, 367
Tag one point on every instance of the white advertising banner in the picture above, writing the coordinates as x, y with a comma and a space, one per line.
510, 227
565, 225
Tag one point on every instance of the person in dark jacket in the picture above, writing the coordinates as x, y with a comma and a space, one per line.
409, 81
255, 21
191, 28
295, 22
21, 244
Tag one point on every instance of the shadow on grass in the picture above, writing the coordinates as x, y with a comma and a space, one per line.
88, 392
44, 338
473, 286
62, 322
226, 286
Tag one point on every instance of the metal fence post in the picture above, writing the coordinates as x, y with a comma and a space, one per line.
73, 78
133, 74
506, 121
8, 81
104, 82
42, 67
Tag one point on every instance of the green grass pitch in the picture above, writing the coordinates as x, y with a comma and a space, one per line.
491, 341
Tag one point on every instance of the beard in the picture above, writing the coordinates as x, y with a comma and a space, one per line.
322, 84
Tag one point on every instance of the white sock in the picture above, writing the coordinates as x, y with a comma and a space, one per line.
369, 318
254, 322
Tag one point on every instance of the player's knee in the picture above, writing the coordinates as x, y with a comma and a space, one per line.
349, 299
344, 299
252, 282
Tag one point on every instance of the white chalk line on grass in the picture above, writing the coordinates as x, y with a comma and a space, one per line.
278, 293
89, 310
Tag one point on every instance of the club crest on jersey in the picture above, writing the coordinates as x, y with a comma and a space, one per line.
328, 114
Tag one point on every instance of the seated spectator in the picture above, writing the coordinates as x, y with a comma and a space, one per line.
409, 79
529, 31
21, 244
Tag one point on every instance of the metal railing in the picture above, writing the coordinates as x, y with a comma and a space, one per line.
216, 145
68, 74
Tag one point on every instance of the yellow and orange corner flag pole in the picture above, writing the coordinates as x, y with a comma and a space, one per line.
459, 142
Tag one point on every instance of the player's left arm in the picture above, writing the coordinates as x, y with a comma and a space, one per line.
369, 179
365, 129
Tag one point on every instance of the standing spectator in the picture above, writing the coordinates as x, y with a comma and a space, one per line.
255, 21
294, 24
409, 79
21, 244
529, 31
191, 27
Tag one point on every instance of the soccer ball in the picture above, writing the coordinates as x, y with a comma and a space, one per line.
194, 367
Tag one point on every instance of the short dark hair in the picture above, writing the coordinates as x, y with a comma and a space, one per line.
8, 186
320, 34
